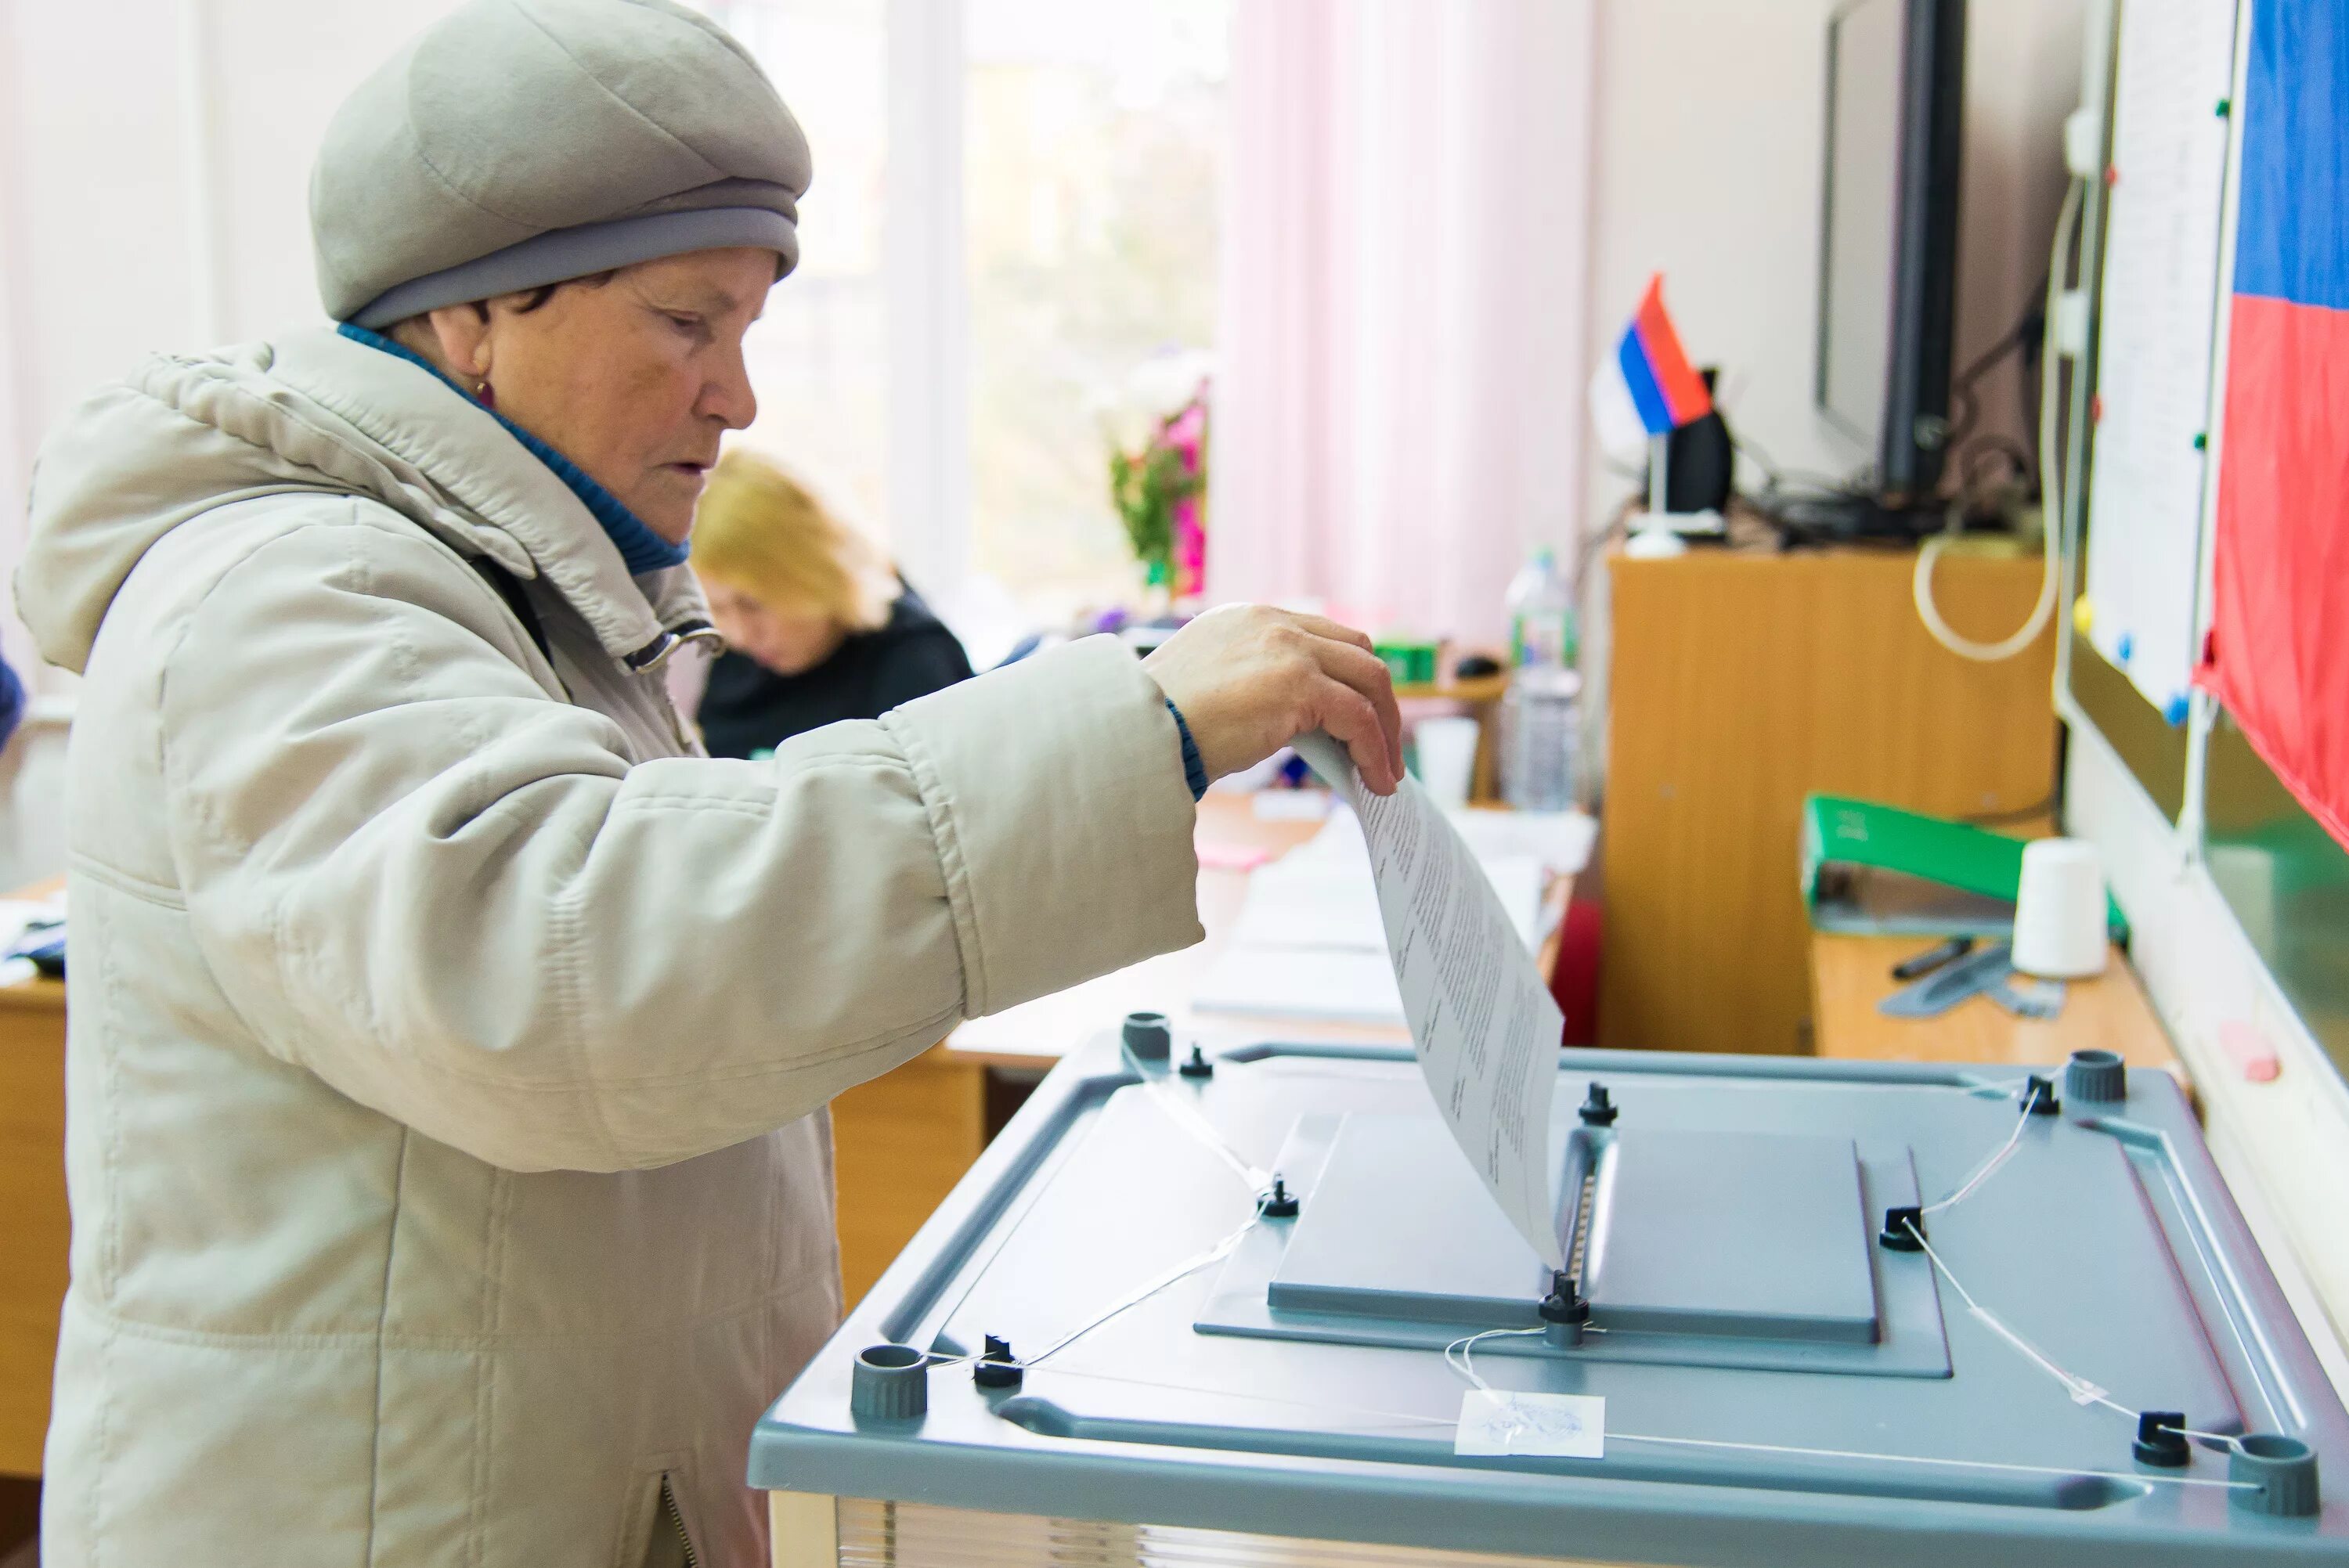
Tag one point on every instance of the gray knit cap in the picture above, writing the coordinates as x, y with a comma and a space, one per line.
522, 142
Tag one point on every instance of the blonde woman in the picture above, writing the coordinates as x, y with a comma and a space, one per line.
818, 628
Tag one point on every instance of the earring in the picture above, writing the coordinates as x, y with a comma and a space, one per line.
486, 394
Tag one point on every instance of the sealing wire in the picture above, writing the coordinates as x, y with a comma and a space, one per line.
1982, 1172
1613, 1437
2083, 1392
1186, 1117
1465, 1364
1185, 1114
1460, 1355
1179, 1273
1407, 1418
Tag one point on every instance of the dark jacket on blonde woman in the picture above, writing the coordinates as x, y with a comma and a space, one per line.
818, 628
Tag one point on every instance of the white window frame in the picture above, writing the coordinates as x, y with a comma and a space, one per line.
926, 281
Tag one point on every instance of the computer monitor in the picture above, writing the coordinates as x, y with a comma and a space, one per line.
1887, 239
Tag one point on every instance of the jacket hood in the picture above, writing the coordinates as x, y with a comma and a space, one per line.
312, 412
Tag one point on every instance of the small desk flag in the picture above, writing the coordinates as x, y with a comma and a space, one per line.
1647, 387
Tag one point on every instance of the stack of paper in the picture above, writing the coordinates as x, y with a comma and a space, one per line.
1311, 940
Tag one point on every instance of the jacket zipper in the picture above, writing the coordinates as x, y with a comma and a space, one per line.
677, 1522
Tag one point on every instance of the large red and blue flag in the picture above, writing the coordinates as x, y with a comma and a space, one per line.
1647, 387
2278, 651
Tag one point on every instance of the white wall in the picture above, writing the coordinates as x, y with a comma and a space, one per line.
122, 194
136, 215
1710, 120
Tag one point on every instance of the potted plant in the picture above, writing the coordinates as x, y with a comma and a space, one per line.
1158, 482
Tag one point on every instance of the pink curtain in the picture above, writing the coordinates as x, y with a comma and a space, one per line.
1399, 381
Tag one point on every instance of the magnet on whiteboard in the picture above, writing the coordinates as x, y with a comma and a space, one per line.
2084, 137
2127, 648
2083, 616
2248, 1049
2175, 711
2072, 324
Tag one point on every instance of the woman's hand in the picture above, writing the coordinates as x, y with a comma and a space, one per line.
1250, 680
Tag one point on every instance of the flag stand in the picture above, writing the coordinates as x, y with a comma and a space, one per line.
1659, 462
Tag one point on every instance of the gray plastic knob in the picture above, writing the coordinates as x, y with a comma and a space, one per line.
2285, 1469
889, 1383
1147, 1035
2096, 1075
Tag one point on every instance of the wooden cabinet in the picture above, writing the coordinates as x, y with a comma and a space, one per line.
900, 1143
1740, 682
31, 1212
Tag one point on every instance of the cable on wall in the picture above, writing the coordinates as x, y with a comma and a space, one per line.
2051, 468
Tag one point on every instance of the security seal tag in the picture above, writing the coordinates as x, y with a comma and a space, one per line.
1500, 1421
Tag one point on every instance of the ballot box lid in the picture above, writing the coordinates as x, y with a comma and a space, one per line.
1834, 1312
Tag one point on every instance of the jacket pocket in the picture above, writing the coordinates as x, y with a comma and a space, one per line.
662, 1536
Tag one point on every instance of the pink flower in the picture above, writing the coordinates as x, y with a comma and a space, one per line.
1186, 432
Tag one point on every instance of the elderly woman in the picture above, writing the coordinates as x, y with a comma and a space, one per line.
451, 1042
818, 626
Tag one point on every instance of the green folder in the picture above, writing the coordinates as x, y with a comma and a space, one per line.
1876, 869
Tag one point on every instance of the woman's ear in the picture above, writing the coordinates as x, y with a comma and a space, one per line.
462, 333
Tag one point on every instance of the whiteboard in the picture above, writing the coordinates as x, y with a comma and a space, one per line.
2158, 316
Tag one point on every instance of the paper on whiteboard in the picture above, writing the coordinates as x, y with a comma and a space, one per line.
2158, 317
1481, 1022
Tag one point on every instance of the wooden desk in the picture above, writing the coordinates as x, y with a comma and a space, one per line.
1850, 974
33, 1225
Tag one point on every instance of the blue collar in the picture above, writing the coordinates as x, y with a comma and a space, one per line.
643, 550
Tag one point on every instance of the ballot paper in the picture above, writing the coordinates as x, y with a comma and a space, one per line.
1481, 1022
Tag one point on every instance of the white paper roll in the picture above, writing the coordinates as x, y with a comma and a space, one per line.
1447, 759
2059, 910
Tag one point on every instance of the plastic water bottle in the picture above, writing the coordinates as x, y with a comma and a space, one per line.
1541, 615
1541, 728
1541, 713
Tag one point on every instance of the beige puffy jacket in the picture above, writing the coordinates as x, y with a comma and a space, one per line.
448, 1045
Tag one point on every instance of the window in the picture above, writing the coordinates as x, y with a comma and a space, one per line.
1093, 169
819, 358
1061, 163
